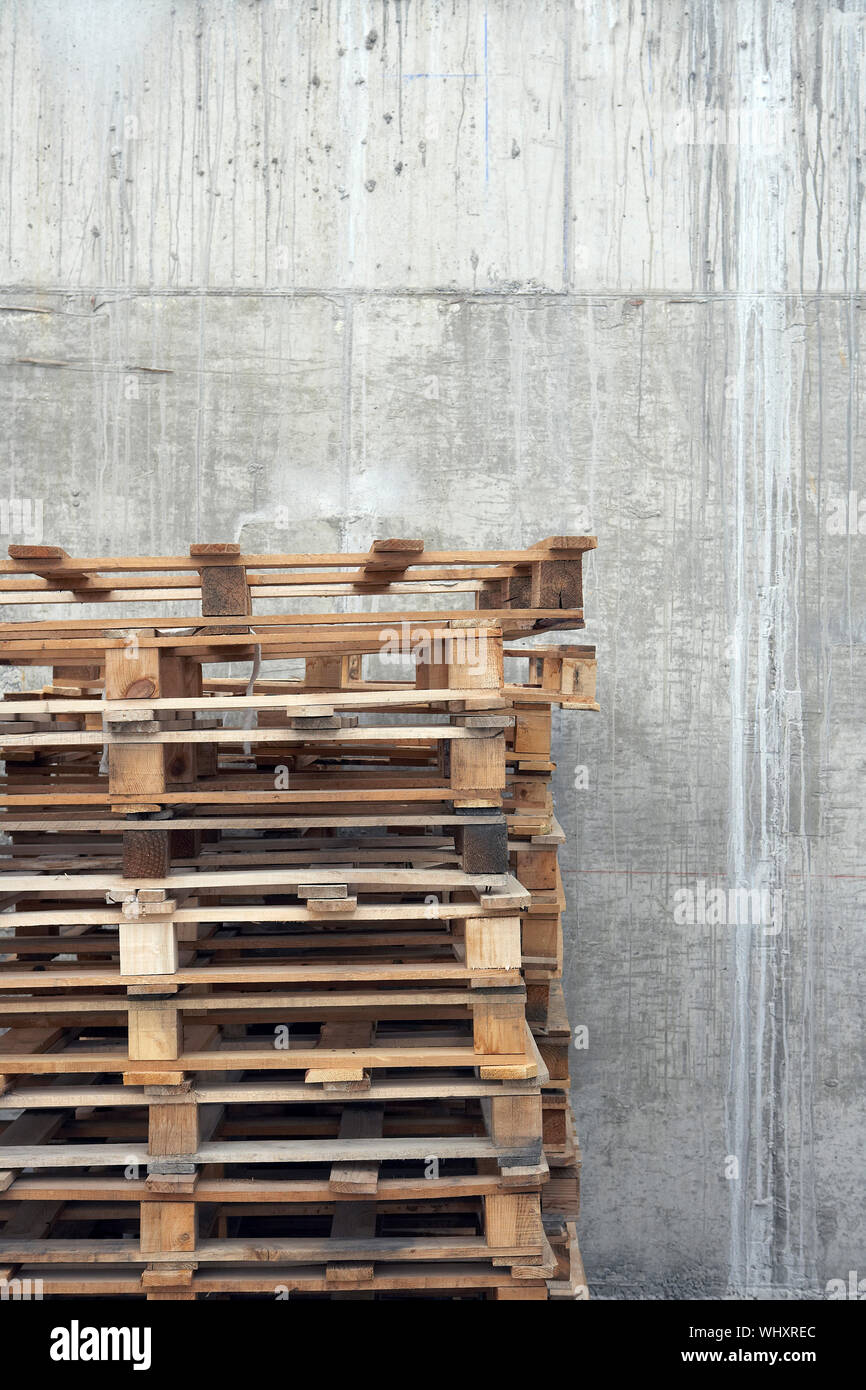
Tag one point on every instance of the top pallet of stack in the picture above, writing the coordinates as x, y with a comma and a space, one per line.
530, 590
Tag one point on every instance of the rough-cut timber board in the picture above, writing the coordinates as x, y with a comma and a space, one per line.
274, 1251
205, 1092
509, 1066
349, 1152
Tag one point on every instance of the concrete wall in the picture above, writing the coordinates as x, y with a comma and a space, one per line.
483, 272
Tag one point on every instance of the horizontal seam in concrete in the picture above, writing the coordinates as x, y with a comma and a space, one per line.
673, 296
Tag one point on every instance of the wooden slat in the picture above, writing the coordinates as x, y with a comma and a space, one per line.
143, 564
268, 1059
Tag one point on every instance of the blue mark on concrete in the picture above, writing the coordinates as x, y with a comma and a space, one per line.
444, 76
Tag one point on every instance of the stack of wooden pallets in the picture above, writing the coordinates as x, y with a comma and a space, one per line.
282, 955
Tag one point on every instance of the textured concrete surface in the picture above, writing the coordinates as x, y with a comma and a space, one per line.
302, 274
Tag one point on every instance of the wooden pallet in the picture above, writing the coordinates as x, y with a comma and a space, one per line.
228, 583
